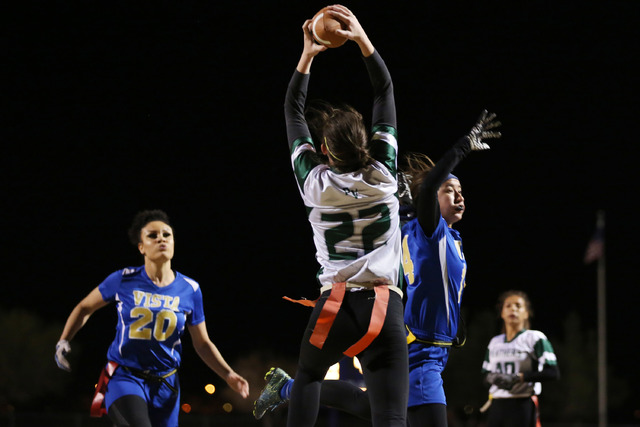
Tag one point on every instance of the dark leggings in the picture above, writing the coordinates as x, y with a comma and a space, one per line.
384, 362
430, 415
518, 412
130, 411
346, 397
349, 398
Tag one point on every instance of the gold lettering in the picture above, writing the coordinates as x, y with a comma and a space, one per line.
155, 300
137, 297
167, 301
175, 303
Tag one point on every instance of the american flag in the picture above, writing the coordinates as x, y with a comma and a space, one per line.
595, 248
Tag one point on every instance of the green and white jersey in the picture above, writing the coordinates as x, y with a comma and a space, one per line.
354, 216
529, 351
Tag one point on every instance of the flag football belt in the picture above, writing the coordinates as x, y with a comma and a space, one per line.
535, 402
332, 306
97, 405
412, 338
98, 408
152, 377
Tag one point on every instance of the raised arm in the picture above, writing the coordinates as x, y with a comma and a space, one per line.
297, 90
384, 110
352, 29
294, 108
428, 209
384, 106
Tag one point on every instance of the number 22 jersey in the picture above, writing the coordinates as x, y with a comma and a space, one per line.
354, 215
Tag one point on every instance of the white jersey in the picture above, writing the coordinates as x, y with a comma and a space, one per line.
529, 351
354, 216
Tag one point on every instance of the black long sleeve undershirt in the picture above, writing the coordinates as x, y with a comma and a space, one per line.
548, 373
384, 111
294, 108
428, 208
384, 106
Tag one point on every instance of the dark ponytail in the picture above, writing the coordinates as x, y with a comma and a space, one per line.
343, 132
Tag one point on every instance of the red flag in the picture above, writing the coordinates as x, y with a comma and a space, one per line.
595, 248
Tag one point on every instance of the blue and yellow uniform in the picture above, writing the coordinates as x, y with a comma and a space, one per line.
147, 345
435, 271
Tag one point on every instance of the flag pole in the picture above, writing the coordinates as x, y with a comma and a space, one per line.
602, 332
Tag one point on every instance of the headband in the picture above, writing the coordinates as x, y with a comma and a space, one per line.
329, 150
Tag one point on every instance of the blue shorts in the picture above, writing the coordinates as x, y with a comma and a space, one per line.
426, 364
162, 402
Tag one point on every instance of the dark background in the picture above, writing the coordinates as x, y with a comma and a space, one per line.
114, 108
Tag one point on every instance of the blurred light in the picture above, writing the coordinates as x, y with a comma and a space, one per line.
186, 407
227, 407
468, 409
333, 373
357, 365
210, 388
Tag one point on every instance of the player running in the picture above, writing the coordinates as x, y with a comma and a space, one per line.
155, 304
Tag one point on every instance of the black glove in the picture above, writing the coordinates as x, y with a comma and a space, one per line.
504, 381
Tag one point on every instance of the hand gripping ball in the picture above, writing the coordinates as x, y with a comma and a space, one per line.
323, 28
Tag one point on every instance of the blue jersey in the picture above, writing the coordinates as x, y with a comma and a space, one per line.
151, 319
435, 269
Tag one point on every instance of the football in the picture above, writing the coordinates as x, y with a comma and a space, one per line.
323, 28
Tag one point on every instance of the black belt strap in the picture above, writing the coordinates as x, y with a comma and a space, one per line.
152, 377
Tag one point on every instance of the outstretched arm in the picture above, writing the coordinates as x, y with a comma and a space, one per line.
310, 49
75, 322
384, 109
353, 30
210, 355
296, 95
384, 106
428, 209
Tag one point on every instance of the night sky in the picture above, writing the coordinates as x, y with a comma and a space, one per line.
116, 108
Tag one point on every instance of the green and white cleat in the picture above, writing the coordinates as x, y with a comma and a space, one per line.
269, 398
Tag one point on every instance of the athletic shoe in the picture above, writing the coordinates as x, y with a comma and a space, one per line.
270, 396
